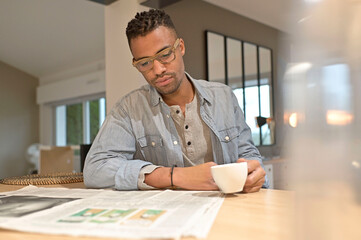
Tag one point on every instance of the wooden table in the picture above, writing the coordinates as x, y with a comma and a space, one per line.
263, 215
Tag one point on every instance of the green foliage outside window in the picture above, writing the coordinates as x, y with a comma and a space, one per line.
75, 118
94, 118
74, 124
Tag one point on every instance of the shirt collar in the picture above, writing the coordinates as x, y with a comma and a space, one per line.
156, 98
203, 96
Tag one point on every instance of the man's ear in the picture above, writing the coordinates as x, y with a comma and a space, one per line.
182, 46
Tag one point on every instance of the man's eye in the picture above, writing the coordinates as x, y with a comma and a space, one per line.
165, 55
144, 64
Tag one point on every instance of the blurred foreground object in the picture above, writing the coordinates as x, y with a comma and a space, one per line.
322, 91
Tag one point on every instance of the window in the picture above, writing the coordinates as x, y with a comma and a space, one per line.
247, 69
79, 123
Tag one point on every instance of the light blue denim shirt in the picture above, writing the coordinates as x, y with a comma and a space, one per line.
139, 131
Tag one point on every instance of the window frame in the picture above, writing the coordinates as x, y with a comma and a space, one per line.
259, 84
85, 115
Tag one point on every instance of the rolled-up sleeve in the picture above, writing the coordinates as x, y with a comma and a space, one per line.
145, 170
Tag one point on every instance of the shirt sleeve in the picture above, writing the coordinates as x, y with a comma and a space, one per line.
112, 161
145, 170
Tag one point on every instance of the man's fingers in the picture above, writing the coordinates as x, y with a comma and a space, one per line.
255, 177
254, 187
251, 164
241, 160
260, 182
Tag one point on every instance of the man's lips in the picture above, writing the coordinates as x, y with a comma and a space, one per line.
163, 81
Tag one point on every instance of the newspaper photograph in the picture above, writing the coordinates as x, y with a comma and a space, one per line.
109, 213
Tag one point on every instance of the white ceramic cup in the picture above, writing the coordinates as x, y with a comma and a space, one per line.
230, 178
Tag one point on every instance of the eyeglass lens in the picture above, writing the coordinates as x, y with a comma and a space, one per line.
166, 56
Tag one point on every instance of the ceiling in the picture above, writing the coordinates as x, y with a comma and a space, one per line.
42, 37
274, 13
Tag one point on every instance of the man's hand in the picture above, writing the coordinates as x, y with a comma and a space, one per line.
256, 176
195, 178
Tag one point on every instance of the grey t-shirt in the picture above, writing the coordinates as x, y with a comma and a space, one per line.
195, 138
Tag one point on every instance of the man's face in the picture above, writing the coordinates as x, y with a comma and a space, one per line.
167, 77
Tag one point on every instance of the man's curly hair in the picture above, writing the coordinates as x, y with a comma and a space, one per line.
147, 21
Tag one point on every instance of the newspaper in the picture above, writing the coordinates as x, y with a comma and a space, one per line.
108, 213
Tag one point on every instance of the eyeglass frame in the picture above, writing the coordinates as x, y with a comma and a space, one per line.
156, 56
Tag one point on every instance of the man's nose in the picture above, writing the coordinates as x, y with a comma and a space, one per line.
158, 67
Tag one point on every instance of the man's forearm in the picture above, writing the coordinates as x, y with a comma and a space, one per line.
159, 178
191, 178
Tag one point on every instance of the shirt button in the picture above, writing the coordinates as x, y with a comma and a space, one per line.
189, 143
175, 142
153, 144
186, 127
226, 138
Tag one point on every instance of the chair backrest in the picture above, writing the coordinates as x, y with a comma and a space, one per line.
84, 149
53, 159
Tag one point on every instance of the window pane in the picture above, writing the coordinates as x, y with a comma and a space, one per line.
252, 111
250, 65
239, 94
216, 61
234, 63
60, 125
267, 130
265, 112
74, 124
94, 118
266, 135
251, 89
102, 111
265, 81
265, 65
265, 101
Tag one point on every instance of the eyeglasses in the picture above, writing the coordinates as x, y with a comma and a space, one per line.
165, 56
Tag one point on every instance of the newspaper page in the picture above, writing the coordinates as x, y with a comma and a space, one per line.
109, 213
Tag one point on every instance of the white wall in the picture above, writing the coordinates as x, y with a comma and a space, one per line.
121, 76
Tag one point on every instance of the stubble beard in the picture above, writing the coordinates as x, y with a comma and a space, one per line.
171, 88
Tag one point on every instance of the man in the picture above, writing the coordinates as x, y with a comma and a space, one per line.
169, 133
